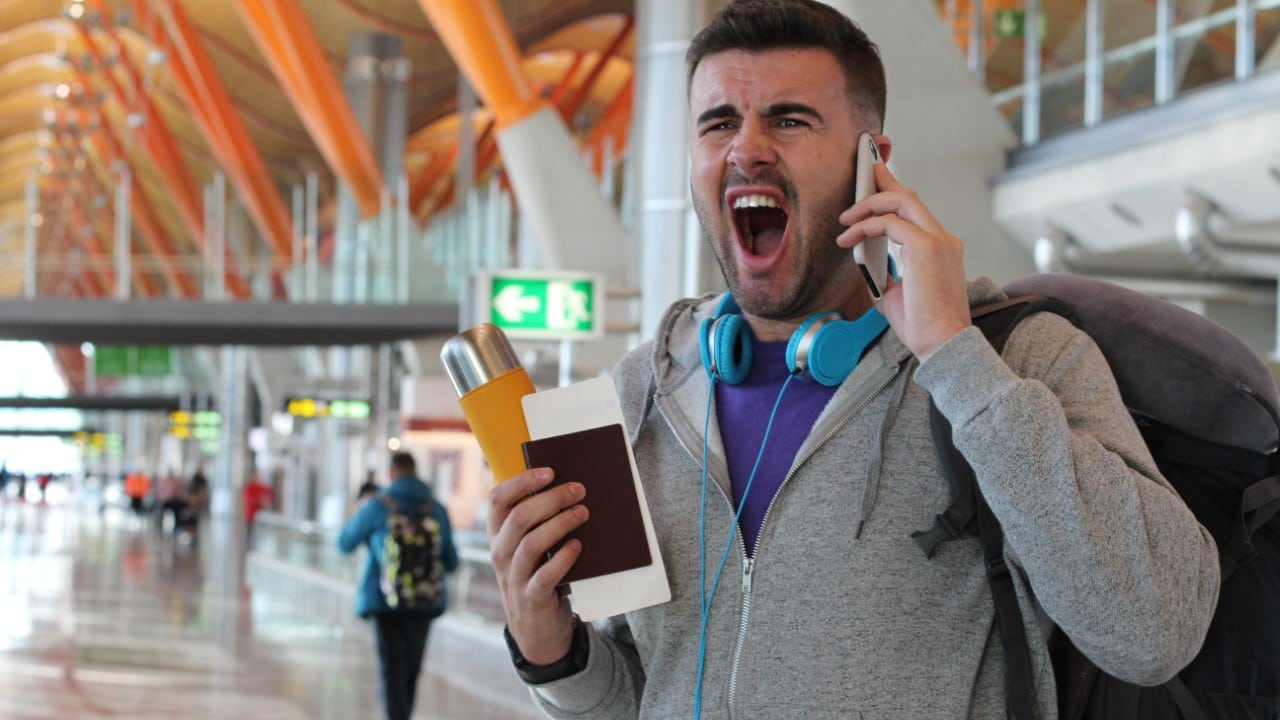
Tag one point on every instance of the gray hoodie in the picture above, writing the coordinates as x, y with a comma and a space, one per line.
831, 622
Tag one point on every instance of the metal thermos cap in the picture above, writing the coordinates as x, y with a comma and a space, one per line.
475, 356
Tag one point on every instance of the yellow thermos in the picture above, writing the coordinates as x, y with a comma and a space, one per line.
490, 381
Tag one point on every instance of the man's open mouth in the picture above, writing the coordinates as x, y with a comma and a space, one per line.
761, 223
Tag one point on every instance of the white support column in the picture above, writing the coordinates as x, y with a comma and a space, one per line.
123, 236
660, 151
1246, 40
1031, 74
977, 58
1164, 51
29, 236
312, 240
297, 216
1095, 40
231, 464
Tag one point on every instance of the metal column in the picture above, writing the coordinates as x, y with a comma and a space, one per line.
1165, 43
661, 155
1095, 34
29, 236
1031, 75
1246, 42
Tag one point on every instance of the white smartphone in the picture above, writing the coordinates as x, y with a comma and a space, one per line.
872, 254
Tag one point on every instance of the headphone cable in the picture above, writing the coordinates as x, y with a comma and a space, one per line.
704, 598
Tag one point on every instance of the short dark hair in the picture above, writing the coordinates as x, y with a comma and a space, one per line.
756, 25
403, 464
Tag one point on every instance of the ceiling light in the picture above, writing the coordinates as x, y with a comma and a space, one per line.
63, 91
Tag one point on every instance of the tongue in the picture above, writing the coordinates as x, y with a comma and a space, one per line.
766, 241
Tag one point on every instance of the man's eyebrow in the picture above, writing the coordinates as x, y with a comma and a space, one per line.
718, 112
727, 111
792, 108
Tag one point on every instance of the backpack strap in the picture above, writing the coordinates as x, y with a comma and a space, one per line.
968, 512
1186, 702
388, 502
996, 321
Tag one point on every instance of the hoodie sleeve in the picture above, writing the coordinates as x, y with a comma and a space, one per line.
610, 685
360, 527
448, 550
1114, 556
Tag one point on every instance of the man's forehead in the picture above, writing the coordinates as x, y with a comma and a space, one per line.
739, 78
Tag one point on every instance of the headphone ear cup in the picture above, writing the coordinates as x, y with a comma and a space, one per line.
835, 351
800, 349
726, 348
827, 347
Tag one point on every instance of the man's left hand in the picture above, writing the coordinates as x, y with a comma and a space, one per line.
929, 305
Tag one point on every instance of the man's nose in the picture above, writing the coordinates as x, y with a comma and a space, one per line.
752, 149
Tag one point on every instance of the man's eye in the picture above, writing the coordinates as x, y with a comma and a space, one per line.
791, 123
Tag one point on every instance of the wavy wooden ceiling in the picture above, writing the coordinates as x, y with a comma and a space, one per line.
59, 140
50, 130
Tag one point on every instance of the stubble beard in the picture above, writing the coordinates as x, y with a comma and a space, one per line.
818, 260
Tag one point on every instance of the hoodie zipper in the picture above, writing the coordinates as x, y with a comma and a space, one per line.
749, 563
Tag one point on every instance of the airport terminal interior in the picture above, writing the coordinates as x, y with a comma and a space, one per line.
235, 236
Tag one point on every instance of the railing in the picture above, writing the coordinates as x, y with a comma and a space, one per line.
1112, 81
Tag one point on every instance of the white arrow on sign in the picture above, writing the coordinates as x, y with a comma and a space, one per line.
511, 303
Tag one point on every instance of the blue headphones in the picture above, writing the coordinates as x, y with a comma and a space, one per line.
825, 347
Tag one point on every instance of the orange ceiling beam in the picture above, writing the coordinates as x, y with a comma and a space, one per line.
222, 127
72, 364
90, 187
142, 279
157, 239
575, 102
288, 42
111, 150
159, 139
479, 39
615, 123
77, 202
426, 177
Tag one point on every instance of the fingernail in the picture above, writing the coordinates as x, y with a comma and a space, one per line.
542, 473
580, 512
577, 490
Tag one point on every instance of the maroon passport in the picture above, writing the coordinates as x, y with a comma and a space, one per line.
613, 537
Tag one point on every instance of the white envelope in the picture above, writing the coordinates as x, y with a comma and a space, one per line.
582, 406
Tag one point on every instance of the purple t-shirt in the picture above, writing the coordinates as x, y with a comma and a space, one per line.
743, 413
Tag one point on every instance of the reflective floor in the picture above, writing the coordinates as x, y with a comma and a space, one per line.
102, 615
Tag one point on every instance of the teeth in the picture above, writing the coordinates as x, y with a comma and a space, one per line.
747, 201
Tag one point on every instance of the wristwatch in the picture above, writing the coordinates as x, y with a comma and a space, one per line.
574, 662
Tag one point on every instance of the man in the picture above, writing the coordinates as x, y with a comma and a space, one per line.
400, 633
827, 607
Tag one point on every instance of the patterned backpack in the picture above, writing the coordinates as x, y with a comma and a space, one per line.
412, 573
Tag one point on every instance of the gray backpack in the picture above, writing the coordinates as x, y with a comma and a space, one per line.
1206, 406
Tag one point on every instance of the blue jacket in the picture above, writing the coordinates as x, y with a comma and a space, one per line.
369, 527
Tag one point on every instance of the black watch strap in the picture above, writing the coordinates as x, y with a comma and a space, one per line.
574, 662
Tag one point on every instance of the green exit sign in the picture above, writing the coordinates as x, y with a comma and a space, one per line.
542, 305
127, 360
1010, 23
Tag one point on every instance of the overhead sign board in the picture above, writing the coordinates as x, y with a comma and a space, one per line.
343, 409
542, 305
126, 360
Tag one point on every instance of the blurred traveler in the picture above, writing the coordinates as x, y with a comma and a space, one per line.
137, 486
258, 496
411, 546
